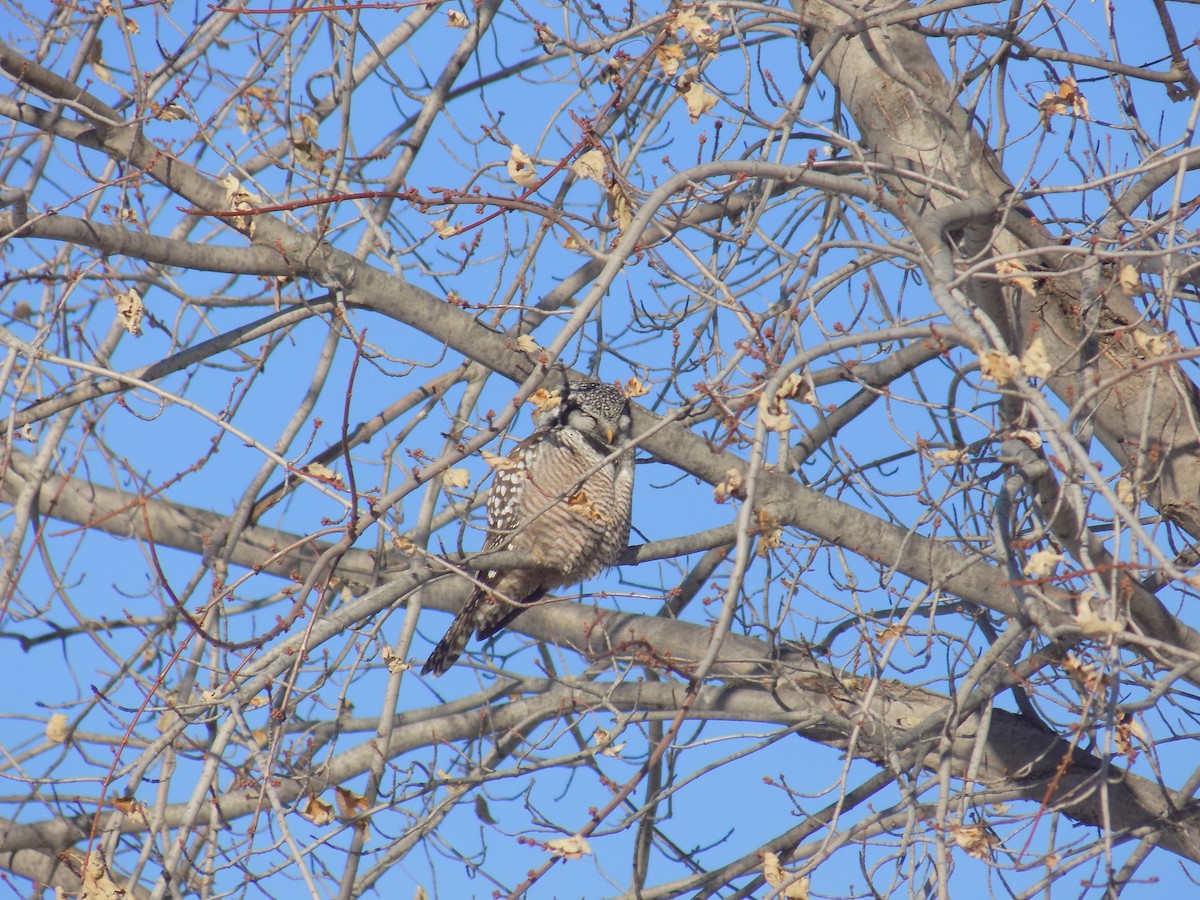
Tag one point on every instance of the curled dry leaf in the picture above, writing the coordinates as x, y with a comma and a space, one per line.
1126, 492
1131, 281
544, 400
634, 388
97, 885
620, 206
499, 463
57, 728
456, 478
1128, 729
172, 112
573, 847
1043, 563
582, 505
1090, 619
733, 486
527, 344
698, 100
796, 387
1032, 438
455, 19
395, 665
978, 840
1035, 361
349, 804
1014, 270
998, 367
780, 421
669, 57
697, 29
1151, 345
444, 229
770, 535
325, 475
776, 876
1067, 100
316, 810
949, 457
591, 166
130, 311
240, 200
132, 810
1086, 675
603, 739
521, 168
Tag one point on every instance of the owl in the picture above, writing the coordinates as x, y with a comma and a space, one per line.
556, 502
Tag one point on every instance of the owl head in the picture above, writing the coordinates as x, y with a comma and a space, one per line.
595, 409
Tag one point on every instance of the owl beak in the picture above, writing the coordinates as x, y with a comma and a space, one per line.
610, 433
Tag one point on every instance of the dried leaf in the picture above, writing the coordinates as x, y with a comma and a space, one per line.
776, 876
1014, 270
395, 665
132, 810
1086, 675
1151, 345
444, 229
698, 30
521, 168
456, 478
546, 38
998, 367
58, 728
591, 165
580, 504
316, 810
978, 840
1131, 281
698, 100
1035, 362
620, 206
573, 847
1128, 729
97, 885
325, 475
949, 457
349, 804
527, 344
499, 463
1089, 617
130, 310
780, 421
455, 19
770, 535
544, 400
172, 112
634, 388
1043, 563
238, 199
1032, 438
796, 387
611, 70
733, 486
1066, 100
1126, 492
670, 57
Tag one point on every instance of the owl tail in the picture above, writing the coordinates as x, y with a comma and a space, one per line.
452, 645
